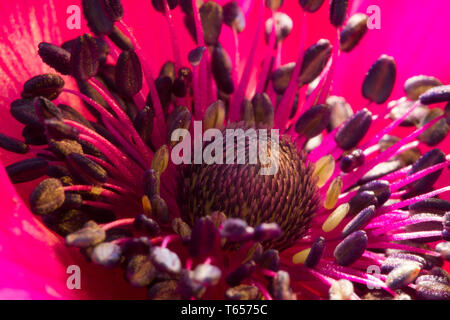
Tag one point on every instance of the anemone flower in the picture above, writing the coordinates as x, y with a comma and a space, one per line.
95, 207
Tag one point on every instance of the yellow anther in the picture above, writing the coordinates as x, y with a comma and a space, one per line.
161, 159
300, 257
147, 206
335, 217
324, 169
333, 193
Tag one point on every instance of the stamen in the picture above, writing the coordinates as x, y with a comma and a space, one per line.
415, 86
323, 170
240, 92
173, 35
351, 248
333, 193
336, 217
268, 59
47, 197
380, 80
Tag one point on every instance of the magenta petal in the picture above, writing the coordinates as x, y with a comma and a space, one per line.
29, 252
413, 32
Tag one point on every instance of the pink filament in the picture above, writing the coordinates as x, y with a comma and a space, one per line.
238, 97
284, 107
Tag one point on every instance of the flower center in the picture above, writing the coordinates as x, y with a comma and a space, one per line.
289, 197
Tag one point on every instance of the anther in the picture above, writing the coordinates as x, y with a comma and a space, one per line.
362, 200
267, 231
98, 20
161, 159
274, 5
24, 112
335, 218
414, 118
211, 17
338, 12
398, 259
380, 188
281, 287
323, 169
165, 260
158, 5
128, 74
270, 260
341, 290
281, 77
70, 221
313, 121
283, 26
151, 182
236, 230
380, 80
263, 109
234, 17
316, 252
65, 147
207, 274
242, 292
45, 85
146, 225
431, 290
315, 60
415, 86
196, 55
340, 111
106, 254
160, 209
90, 235
114, 9
351, 248
311, 5
429, 159
214, 115
47, 196
87, 168
182, 83
204, 238
140, 271
58, 130
444, 249
436, 95
353, 32
359, 221
143, 123
164, 290
222, 68
438, 132
45, 109
354, 129
333, 193
85, 57
27, 170
120, 40
430, 205
182, 229
352, 160
56, 57
13, 145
